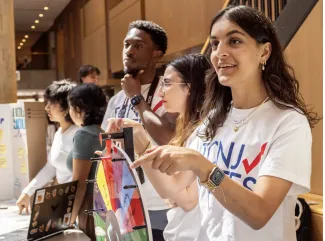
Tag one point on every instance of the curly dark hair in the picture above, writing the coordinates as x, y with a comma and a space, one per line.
158, 34
90, 99
86, 70
280, 83
57, 93
192, 68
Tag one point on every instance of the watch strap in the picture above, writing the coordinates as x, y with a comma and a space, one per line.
136, 99
212, 183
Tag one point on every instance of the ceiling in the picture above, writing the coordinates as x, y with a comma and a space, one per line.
26, 12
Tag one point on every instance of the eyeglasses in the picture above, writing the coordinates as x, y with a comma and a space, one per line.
164, 85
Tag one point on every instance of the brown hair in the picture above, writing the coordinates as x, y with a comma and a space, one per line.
192, 69
281, 85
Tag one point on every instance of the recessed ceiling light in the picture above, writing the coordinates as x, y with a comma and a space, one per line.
26, 36
40, 15
24, 40
21, 44
18, 47
46, 8
36, 21
33, 27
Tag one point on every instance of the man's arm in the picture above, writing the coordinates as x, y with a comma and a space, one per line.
160, 128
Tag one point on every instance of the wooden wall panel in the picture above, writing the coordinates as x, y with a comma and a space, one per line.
93, 37
60, 54
186, 22
68, 37
112, 3
304, 53
94, 16
94, 51
119, 19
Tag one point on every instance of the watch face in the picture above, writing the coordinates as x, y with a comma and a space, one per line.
135, 100
217, 176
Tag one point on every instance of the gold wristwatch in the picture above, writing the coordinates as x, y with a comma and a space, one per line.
215, 178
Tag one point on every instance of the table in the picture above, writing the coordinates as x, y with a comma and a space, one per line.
10, 221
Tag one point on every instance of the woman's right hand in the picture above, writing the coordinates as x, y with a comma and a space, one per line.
23, 202
140, 136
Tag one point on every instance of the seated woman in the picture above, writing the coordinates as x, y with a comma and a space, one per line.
181, 89
87, 104
253, 151
58, 111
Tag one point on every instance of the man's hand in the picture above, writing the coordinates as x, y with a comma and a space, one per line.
131, 86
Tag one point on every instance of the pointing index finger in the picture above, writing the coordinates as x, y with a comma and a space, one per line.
149, 155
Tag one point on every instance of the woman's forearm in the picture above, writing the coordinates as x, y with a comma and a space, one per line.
80, 194
42, 178
188, 198
255, 208
168, 186
243, 203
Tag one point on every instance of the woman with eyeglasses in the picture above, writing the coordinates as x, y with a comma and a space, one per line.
252, 153
182, 89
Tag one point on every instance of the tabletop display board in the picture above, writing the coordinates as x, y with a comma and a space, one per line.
22, 145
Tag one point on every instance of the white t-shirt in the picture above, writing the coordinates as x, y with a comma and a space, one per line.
153, 200
184, 226
50, 136
57, 161
273, 142
116, 103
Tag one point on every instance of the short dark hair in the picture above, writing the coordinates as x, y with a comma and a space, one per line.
90, 99
57, 93
86, 70
158, 34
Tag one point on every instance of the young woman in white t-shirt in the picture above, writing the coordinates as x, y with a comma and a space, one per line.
181, 90
57, 109
253, 151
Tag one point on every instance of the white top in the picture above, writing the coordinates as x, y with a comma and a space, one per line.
57, 159
273, 142
50, 136
153, 200
184, 226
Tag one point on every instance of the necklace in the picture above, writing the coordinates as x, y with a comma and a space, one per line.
243, 121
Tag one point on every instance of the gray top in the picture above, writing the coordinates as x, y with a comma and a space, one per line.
85, 143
